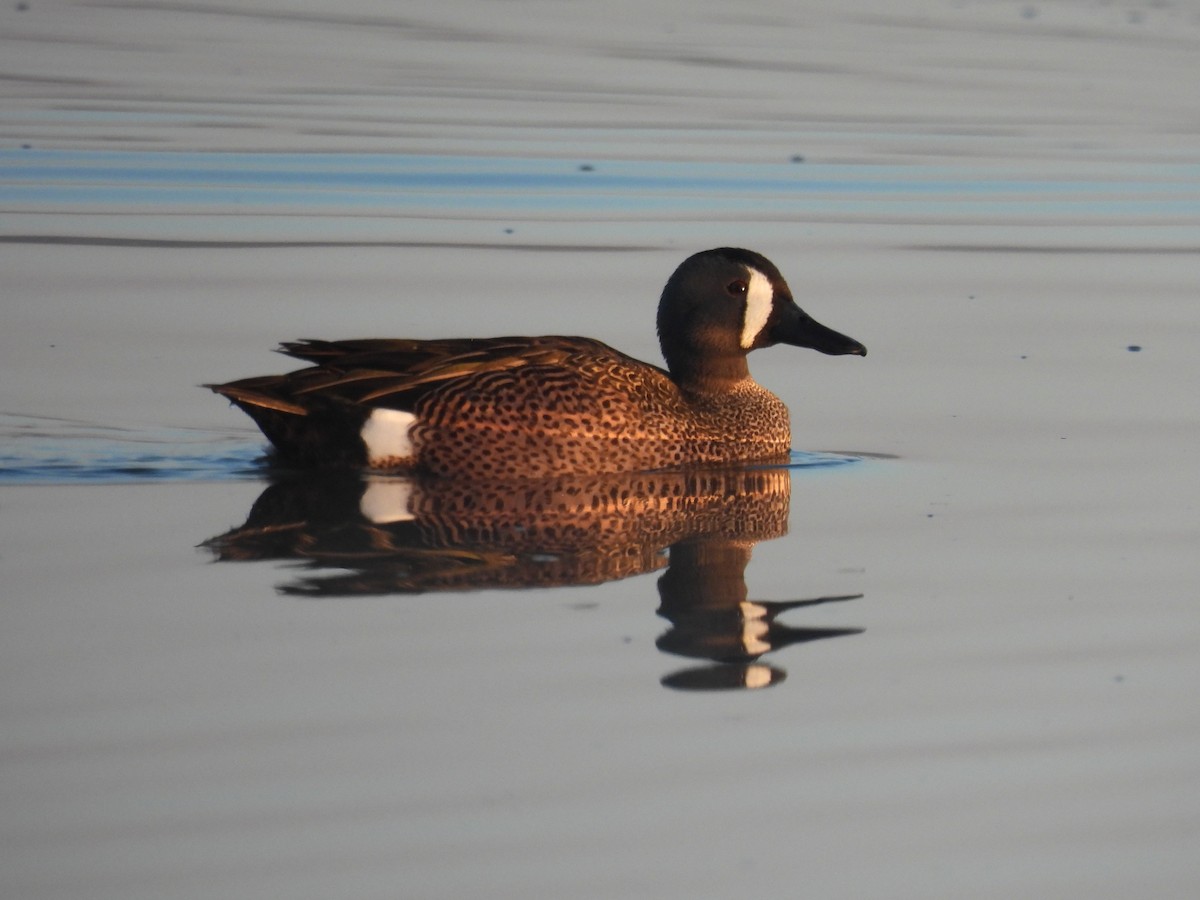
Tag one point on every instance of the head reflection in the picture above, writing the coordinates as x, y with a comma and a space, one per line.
372, 535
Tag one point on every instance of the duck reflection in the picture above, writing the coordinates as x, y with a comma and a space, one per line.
386, 535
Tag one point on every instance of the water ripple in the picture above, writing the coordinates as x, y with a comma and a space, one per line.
42, 450
400, 184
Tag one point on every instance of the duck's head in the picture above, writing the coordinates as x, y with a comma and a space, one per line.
721, 304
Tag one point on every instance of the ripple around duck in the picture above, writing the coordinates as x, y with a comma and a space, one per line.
806, 459
43, 450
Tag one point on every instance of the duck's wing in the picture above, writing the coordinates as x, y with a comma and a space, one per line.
395, 373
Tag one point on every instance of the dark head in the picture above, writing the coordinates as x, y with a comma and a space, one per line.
721, 304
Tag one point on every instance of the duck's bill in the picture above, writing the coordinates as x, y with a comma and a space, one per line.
801, 330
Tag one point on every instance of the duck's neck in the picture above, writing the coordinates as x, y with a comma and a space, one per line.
710, 375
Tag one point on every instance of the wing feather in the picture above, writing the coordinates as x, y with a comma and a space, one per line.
396, 370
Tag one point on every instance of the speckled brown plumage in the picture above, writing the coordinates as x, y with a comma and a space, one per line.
522, 408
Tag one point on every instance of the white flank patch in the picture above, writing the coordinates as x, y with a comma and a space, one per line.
386, 434
386, 500
760, 298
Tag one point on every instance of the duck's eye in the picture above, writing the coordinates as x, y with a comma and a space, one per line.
737, 288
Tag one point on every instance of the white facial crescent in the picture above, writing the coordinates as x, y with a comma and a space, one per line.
760, 298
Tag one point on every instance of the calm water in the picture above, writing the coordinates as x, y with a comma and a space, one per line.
951, 651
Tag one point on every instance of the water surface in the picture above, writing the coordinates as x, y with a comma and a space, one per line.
975, 647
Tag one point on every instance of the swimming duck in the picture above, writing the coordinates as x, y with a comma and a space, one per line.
517, 408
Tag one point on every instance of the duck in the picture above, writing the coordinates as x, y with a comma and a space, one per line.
522, 408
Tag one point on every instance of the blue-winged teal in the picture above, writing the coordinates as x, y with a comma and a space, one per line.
529, 407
